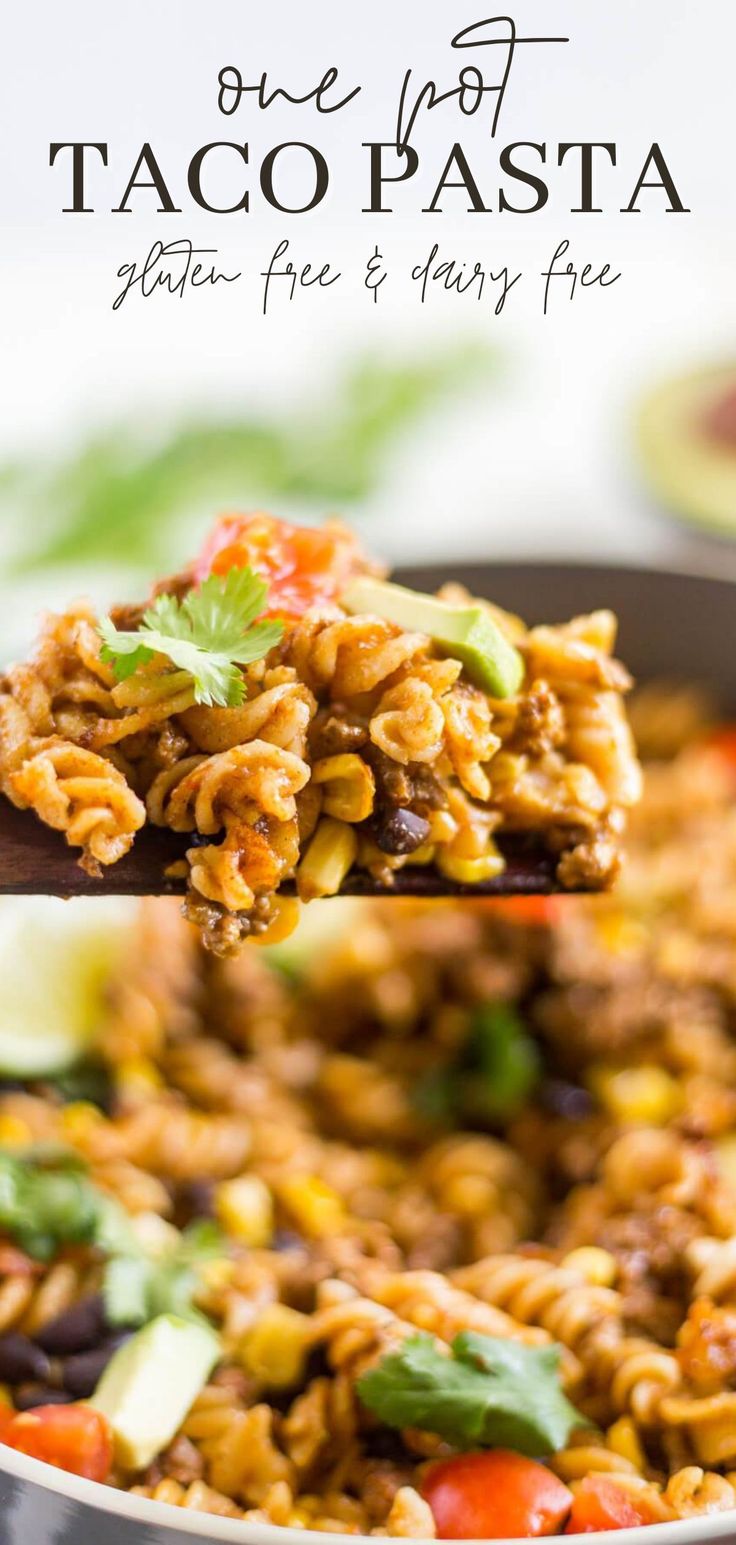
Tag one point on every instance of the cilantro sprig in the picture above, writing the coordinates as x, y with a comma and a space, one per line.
137, 1287
47, 1201
488, 1393
208, 634
493, 1075
45, 1207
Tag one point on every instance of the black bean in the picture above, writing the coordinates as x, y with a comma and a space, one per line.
201, 840
567, 1100
29, 1395
20, 1359
318, 1365
194, 1199
81, 1373
401, 831
75, 1330
287, 1239
384, 1444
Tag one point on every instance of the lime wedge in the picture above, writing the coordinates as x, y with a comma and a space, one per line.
55, 957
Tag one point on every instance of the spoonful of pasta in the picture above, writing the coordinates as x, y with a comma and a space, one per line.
278, 722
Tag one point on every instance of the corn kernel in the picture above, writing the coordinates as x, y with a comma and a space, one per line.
274, 1350
244, 1207
138, 1075
283, 922
470, 871
593, 1264
646, 1094
78, 1118
623, 1439
14, 1133
423, 855
6, 1398
315, 1207
349, 786
442, 826
331, 853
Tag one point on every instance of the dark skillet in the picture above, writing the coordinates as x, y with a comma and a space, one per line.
679, 626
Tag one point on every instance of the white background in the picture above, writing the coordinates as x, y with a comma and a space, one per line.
536, 462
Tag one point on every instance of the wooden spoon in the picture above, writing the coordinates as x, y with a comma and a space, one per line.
35, 860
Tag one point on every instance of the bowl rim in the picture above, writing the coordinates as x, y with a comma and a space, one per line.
701, 1529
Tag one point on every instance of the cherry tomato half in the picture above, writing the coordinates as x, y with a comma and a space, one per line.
600, 1504
303, 566
495, 1496
73, 1438
528, 911
723, 740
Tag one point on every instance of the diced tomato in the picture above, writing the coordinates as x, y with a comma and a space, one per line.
600, 1504
723, 740
303, 566
73, 1438
533, 911
495, 1496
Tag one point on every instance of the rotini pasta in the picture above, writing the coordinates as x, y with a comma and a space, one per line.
432, 1122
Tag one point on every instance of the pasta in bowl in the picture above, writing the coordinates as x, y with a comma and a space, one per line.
303, 719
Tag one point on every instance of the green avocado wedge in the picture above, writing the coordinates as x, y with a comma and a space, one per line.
466, 633
686, 439
150, 1383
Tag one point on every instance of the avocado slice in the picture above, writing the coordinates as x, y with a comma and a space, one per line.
150, 1383
467, 633
55, 957
686, 435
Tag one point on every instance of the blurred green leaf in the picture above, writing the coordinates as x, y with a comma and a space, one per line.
138, 1287
493, 1075
121, 496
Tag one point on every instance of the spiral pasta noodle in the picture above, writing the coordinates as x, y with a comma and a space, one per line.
240, 1458
30, 1298
81, 794
584, 1317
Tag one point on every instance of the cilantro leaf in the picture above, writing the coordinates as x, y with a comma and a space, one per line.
492, 1076
486, 1392
125, 1290
43, 1208
208, 634
46, 1208
138, 1287
506, 1058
